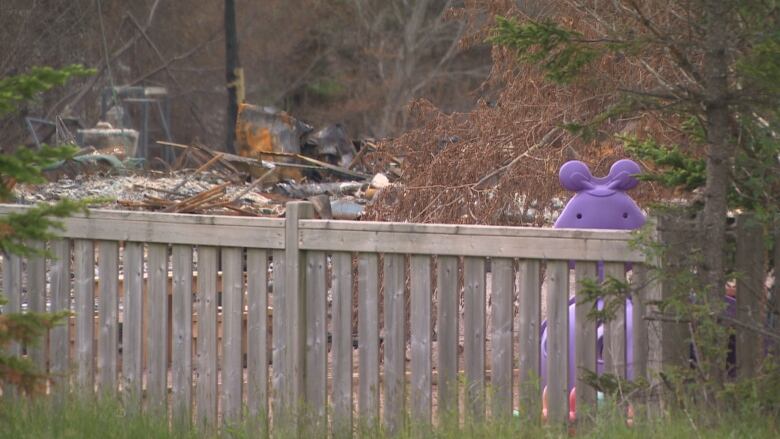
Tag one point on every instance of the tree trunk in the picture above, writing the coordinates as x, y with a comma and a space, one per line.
231, 64
720, 152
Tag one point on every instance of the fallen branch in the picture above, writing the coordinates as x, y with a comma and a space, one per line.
202, 168
254, 184
730, 320
198, 199
543, 142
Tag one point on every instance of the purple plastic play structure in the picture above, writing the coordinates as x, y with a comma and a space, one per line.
599, 203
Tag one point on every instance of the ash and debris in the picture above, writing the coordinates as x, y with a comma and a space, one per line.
116, 190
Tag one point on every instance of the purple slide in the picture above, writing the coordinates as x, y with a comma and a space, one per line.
600, 203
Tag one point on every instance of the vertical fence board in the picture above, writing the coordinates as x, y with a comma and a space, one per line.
368, 336
394, 342
206, 388
316, 335
668, 341
615, 329
474, 330
295, 303
529, 321
502, 305
342, 344
557, 341
750, 264
257, 333
279, 342
641, 284
108, 260
232, 320
157, 362
59, 341
132, 320
84, 286
447, 335
421, 339
12, 289
36, 300
585, 338
181, 363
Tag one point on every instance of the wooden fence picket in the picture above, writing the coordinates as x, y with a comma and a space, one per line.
474, 330
181, 363
108, 315
84, 286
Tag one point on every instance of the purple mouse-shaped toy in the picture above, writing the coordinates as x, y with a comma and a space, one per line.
600, 202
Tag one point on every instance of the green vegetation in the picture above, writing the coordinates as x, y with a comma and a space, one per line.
709, 73
38, 224
43, 418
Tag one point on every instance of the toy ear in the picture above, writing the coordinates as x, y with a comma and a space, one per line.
622, 175
575, 176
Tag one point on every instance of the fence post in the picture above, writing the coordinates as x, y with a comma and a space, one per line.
295, 305
749, 265
668, 340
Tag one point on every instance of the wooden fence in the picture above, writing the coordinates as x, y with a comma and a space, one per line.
211, 315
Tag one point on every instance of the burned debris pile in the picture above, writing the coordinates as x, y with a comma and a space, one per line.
279, 159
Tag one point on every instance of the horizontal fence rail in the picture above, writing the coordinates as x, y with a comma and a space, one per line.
213, 318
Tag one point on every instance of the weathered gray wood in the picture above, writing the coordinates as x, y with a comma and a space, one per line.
642, 283
108, 315
342, 344
172, 228
463, 230
181, 363
421, 339
36, 299
295, 302
474, 330
502, 306
84, 288
59, 341
12, 289
585, 338
183, 219
157, 327
232, 315
614, 353
489, 241
750, 262
669, 341
132, 329
257, 333
368, 337
316, 335
279, 334
557, 341
447, 335
394, 343
206, 388
528, 326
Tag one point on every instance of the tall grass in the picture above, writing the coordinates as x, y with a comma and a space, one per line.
75, 419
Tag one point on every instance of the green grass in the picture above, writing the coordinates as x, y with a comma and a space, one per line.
85, 420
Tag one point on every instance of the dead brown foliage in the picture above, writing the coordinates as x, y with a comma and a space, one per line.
498, 164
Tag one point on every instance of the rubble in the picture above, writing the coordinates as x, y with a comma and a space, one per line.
280, 159
154, 192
